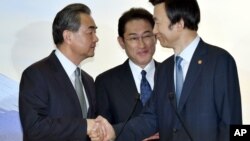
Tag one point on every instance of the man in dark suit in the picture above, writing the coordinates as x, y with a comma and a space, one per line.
118, 90
205, 102
50, 107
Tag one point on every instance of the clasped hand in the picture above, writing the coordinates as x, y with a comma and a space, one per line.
100, 129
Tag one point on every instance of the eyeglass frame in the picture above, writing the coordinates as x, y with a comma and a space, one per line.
144, 38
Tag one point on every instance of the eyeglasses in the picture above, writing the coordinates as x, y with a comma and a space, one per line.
144, 38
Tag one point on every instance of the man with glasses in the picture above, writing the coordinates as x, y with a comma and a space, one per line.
196, 94
128, 87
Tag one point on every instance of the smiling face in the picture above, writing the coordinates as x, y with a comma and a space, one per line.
138, 41
166, 34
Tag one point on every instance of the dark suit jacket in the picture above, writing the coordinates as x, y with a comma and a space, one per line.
116, 94
48, 104
209, 103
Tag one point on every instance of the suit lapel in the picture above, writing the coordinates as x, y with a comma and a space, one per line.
89, 93
194, 69
127, 83
63, 81
170, 79
86, 87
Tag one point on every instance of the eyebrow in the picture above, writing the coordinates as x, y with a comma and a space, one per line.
146, 32
132, 34
92, 27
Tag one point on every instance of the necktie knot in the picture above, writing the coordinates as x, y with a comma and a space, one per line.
78, 72
143, 73
178, 60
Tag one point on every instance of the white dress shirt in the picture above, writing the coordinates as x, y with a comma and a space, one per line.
187, 55
136, 71
70, 68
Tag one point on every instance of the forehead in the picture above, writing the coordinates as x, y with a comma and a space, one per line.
136, 25
159, 11
87, 21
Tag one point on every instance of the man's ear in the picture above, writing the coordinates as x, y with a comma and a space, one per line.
67, 36
121, 41
179, 25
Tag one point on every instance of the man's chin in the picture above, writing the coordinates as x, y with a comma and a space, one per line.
164, 45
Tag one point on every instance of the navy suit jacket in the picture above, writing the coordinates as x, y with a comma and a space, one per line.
209, 103
48, 104
117, 95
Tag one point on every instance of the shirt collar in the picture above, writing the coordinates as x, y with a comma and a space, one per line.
68, 66
188, 52
147, 68
137, 69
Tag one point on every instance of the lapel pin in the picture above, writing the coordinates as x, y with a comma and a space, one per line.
199, 62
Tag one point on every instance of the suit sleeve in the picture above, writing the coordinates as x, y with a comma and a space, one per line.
140, 127
102, 99
34, 109
227, 94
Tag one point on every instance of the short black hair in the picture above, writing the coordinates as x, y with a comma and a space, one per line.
68, 19
134, 14
154, 2
186, 10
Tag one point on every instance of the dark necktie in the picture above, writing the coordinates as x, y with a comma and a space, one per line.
179, 78
145, 88
80, 93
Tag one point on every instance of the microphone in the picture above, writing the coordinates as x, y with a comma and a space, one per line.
171, 97
137, 98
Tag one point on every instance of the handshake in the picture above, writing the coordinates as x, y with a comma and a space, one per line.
100, 129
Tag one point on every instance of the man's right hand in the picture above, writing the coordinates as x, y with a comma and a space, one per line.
102, 131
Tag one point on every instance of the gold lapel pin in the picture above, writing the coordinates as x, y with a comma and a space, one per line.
199, 62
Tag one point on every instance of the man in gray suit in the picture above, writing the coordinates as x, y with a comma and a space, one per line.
196, 95
54, 102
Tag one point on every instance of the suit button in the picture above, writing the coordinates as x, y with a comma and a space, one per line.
175, 130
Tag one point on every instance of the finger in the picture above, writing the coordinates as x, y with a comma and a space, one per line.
99, 118
95, 139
